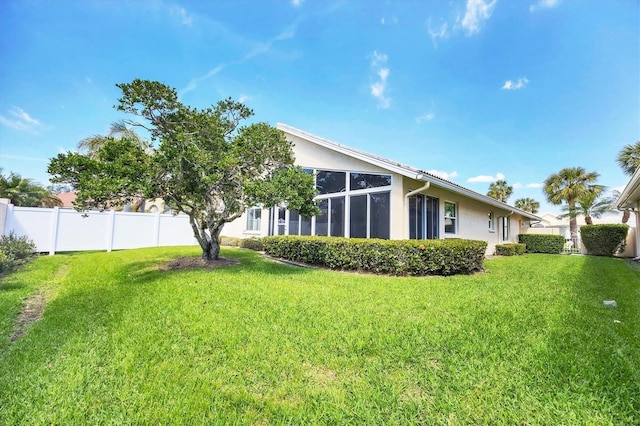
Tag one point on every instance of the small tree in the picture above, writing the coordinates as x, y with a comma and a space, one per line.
500, 190
528, 205
25, 192
205, 165
629, 158
590, 205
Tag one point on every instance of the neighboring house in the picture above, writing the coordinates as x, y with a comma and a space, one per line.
630, 200
67, 198
362, 195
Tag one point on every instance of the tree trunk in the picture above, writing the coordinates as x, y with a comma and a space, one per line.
625, 216
573, 222
587, 220
211, 248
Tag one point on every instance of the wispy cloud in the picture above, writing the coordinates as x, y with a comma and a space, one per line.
297, 3
543, 4
182, 14
23, 158
521, 83
392, 21
20, 120
425, 117
485, 179
438, 33
379, 87
534, 185
476, 13
443, 175
260, 48
244, 98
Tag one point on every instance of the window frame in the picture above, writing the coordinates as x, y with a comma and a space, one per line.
453, 219
506, 228
492, 221
251, 219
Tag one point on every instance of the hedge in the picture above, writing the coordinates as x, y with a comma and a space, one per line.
395, 257
540, 243
605, 239
510, 249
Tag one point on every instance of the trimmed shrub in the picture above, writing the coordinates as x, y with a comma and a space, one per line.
6, 262
230, 241
510, 249
395, 257
252, 244
605, 239
540, 243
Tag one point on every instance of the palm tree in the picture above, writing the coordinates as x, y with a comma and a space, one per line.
26, 193
590, 205
500, 191
568, 185
629, 158
528, 205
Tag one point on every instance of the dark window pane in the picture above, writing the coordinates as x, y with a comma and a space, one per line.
416, 217
322, 219
337, 217
330, 182
433, 213
358, 219
305, 226
380, 216
366, 181
294, 222
281, 220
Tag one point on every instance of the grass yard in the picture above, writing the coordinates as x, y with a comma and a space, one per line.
123, 342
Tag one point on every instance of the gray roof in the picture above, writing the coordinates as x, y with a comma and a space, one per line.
402, 169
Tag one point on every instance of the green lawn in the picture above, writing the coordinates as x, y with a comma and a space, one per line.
527, 342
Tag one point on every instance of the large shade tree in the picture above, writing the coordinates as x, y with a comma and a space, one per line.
25, 192
205, 164
629, 158
500, 190
528, 205
567, 186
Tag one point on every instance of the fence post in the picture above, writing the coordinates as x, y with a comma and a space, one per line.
111, 229
53, 230
4, 214
157, 229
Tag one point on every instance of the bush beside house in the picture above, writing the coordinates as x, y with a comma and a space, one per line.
605, 239
396, 257
13, 250
511, 249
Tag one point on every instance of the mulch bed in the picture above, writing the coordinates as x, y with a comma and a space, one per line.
198, 263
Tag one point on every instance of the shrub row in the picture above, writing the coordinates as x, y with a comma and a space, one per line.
539, 243
14, 249
510, 249
395, 257
605, 239
248, 243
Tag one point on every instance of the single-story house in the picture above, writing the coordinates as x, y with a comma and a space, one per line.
362, 195
630, 200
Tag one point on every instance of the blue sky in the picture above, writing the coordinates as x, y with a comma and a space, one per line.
472, 90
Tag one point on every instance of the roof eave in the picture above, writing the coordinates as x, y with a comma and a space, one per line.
631, 193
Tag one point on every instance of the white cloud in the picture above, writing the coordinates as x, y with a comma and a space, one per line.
477, 12
21, 121
485, 179
425, 117
517, 185
181, 13
521, 83
544, 4
244, 98
443, 175
379, 87
297, 3
442, 32
534, 185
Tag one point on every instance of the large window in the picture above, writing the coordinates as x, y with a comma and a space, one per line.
253, 218
424, 212
370, 215
368, 181
329, 182
505, 228
450, 218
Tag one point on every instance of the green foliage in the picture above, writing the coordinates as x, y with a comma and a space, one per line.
500, 190
14, 248
539, 243
26, 193
528, 205
511, 249
406, 257
604, 240
206, 163
629, 158
252, 244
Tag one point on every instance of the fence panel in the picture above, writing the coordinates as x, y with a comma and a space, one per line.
59, 229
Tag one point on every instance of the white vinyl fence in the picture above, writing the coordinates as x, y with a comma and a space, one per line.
61, 229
